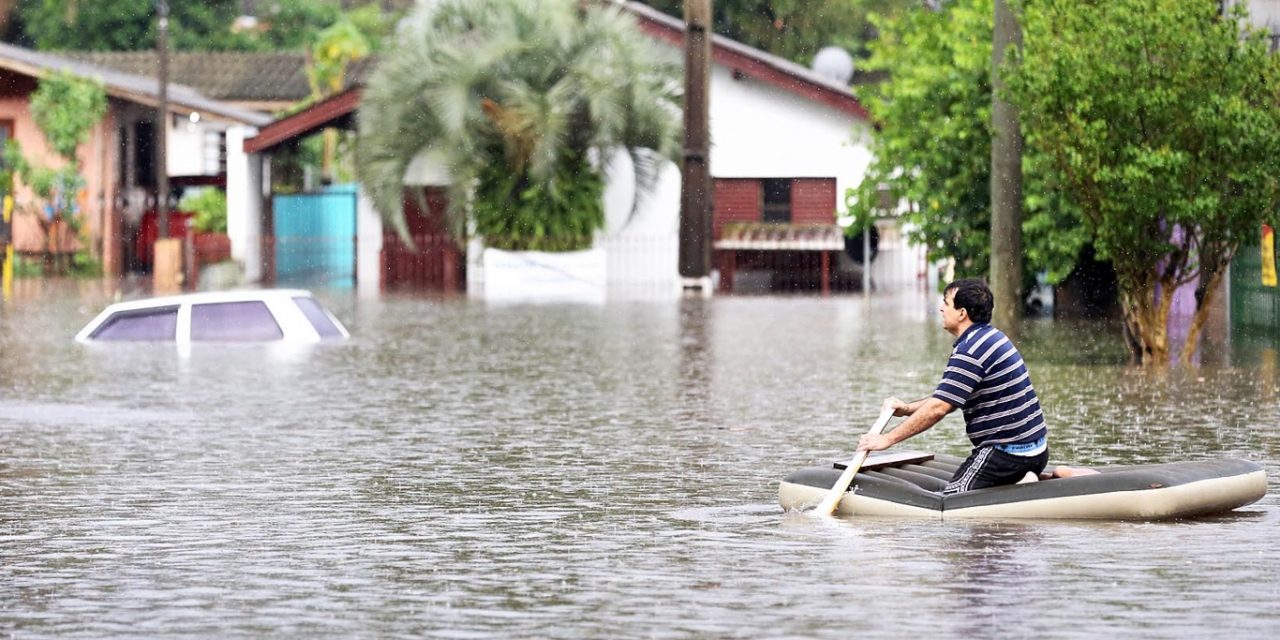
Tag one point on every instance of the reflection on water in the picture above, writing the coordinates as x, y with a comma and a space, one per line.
460, 470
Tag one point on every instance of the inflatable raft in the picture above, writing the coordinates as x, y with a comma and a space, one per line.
910, 484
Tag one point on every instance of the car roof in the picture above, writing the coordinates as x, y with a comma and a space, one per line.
295, 324
208, 297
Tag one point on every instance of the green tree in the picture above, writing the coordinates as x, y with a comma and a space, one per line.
123, 25
795, 29
520, 102
285, 25
1163, 119
933, 148
335, 48
65, 108
207, 25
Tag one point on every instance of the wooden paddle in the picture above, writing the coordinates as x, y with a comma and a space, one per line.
828, 504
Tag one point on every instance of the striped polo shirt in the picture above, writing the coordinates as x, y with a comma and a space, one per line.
987, 379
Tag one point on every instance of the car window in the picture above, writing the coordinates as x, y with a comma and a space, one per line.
319, 319
234, 321
160, 323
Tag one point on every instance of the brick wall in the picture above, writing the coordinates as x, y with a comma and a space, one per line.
735, 200
813, 201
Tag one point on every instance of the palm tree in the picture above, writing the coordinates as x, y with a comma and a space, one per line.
523, 102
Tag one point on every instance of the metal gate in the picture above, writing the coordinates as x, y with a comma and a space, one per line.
434, 262
1254, 305
315, 237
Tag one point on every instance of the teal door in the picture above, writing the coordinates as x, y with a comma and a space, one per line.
315, 237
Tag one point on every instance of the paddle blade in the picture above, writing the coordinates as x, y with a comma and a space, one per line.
829, 503
836, 494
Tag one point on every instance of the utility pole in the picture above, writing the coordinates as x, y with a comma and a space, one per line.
166, 265
162, 121
695, 179
1006, 181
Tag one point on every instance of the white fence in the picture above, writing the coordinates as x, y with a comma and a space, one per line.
637, 262
642, 262
899, 264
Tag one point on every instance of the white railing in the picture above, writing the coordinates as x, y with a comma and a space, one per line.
642, 261
899, 264
650, 262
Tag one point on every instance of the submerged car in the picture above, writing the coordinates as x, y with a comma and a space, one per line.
289, 315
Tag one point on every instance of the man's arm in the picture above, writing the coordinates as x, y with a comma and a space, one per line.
928, 412
901, 408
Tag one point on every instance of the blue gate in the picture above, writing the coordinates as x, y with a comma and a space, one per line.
315, 237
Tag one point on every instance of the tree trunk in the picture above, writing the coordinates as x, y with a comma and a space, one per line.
1146, 320
1197, 322
1006, 181
328, 172
1212, 269
6, 14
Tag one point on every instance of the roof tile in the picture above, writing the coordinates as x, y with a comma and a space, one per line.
230, 76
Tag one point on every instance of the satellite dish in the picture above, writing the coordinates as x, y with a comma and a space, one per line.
834, 63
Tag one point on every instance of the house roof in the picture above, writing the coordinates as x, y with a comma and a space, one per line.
744, 60
225, 75
752, 62
336, 111
126, 86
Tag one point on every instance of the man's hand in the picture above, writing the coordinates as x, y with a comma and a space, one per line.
899, 407
874, 442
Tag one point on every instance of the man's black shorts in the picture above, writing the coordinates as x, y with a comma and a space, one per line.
991, 467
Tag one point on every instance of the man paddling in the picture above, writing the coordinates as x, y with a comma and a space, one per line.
986, 378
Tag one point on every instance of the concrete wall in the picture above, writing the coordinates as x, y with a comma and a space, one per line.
368, 247
97, 165
1263, 13
245, 197
192, 147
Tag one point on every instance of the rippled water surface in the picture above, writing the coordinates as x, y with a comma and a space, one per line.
467, 470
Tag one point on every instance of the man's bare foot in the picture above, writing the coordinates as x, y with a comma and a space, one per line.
1063, 471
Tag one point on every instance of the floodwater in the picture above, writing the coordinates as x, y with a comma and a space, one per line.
464, 470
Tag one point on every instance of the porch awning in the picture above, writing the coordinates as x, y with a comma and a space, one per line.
764, 236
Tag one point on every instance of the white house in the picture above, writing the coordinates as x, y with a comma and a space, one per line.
1265, 15
786, 144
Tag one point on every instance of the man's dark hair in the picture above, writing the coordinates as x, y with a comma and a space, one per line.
974, 296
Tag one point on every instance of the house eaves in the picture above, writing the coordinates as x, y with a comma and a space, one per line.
751, 62
126, 86
335, 111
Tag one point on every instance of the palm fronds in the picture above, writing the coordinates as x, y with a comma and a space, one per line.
527, 93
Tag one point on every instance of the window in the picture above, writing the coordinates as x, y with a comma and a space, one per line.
777, 199
144, 164
146, 324
234, 321
319, 319
215, 153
